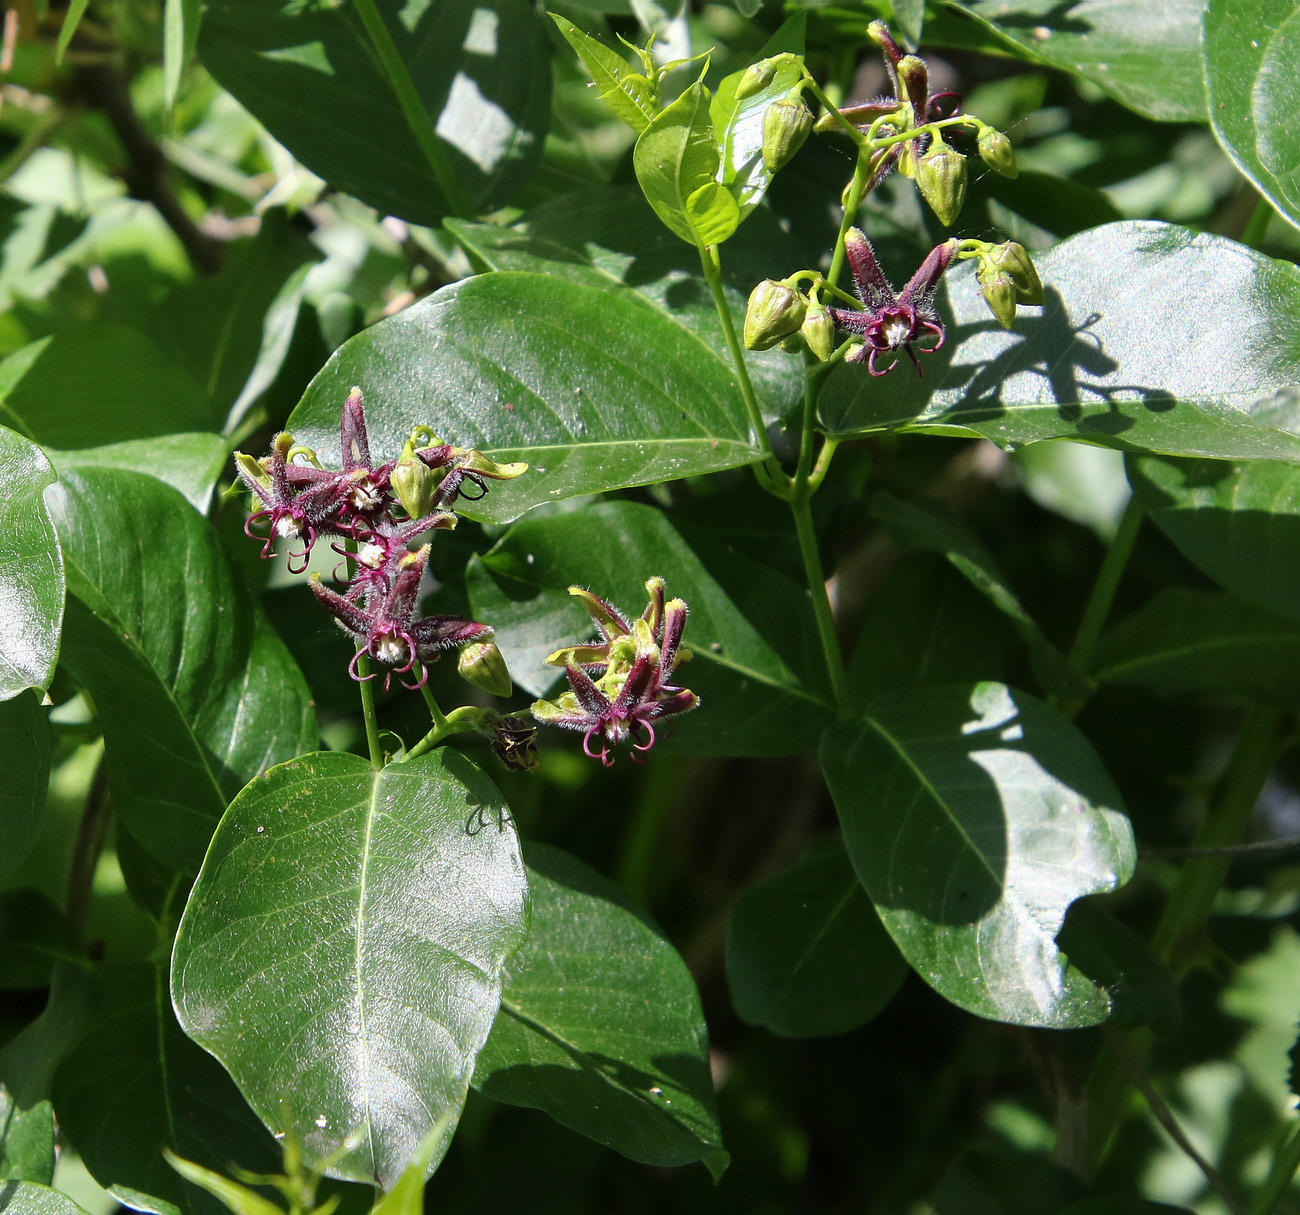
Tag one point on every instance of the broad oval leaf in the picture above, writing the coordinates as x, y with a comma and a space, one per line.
1252, 70
974, 816
190, 463
162, 1090
594, 390
750, 629
195, 692
1237, 523
479, 69
1185, 640
1144, 55
24, 777
31, 569
1154, 338
806, 952
32, 1198
600, 1024
675, 156
342, 948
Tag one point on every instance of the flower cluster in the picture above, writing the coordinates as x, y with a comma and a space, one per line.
621, 683
377, 510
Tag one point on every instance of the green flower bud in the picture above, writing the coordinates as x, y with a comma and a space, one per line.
915, 79
999, 294
995, 151
483, 665
775, 311
1012, 260
252, 470
941, 178
756, 78
416, 487
818, 331
785, 126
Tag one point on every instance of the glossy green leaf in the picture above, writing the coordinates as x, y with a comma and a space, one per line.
738, 122
806, 953
180, 36
609, 238
1252, 78
195, 692
1238, 523
31, 570
1144, 55
750, 629
310, 74
1154, 338
600, 1024
341, 951
974, 816
623, 89
1186, 641
162, 1092
99, 384
24, 777
31, 1198
675, 156
595, 391
190, 463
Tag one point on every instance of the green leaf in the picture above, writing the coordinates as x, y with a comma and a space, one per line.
1237, 523
34, 936
31, 570
1185, 641
195, 692
624, 90
310, 74
24, 777
135, 1084
1154, 338
712, 214
180, 36
31, 1198
738, 122
609, 238
974, 816
407, 1196
750, 629
600, 1024
596, 392
675, 156
99, 384
806, 953
1252, 62
909, 18
233, 1196
408, 888
190, 463
1146, 56
71, 19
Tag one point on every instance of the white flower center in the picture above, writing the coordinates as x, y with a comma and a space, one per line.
391, 651
371, 556
363, 496
288, 527
896, 333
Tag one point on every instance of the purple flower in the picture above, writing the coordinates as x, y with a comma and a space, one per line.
888, 320
620, 685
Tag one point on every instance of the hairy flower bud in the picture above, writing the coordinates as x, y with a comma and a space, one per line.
995, 151
786, 124
999, 293
756, 78
416, 487
775, 311
1013, 260
818, 331
941, 178
914, 76
483, 665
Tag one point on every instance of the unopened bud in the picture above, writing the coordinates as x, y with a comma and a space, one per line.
1013, 261
416, 487
818, 331
941, 178
756, 78
252, 470
483, 665
879, 33
999, 293
785, 126
915, 79
995, 151
775, 311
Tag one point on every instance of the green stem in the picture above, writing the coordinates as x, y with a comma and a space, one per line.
641, 859
458, 721
1253, 233
1102, 598
368, 712
417, 117
1279, 1178
851, 204
92, 832
821, 604
769, 472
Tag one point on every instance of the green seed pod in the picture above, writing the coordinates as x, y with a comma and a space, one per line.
999, 294
416, 487
818, 331
483, 665
941, 178
775, 311
995, 151
756, 78
785, 126
1012, 260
